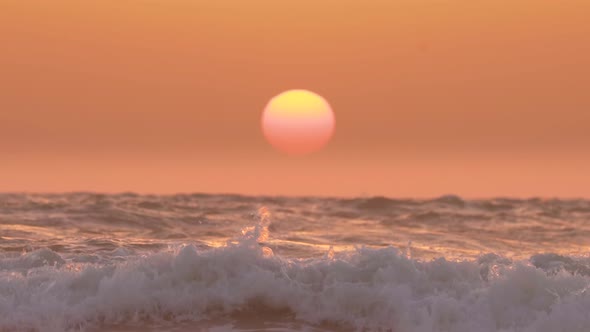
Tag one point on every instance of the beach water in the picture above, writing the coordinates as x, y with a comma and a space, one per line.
127, 262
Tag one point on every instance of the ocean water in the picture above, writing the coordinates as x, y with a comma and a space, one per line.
127, 262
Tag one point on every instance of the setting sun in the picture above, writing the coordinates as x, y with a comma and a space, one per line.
298, 122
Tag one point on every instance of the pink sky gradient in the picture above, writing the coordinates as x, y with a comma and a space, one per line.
475, 98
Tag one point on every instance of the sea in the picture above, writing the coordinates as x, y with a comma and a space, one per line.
199, 262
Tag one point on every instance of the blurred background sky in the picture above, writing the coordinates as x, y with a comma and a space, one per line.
475, 98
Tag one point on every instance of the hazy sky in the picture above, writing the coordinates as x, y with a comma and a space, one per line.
476, 98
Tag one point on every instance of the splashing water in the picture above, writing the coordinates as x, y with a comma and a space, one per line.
330, 253
258, 232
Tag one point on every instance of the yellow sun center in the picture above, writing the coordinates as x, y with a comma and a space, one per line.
298, 122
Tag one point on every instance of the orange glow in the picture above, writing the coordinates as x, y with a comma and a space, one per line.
476, 98
298, 122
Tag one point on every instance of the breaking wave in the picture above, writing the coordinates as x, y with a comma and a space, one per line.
363, 289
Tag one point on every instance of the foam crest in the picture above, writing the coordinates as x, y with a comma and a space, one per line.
364, 289
31, 260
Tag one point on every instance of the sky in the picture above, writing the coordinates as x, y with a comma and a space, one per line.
431, 97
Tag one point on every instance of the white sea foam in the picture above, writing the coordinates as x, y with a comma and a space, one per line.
365, 289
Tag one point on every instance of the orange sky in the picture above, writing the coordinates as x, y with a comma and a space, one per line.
476, 98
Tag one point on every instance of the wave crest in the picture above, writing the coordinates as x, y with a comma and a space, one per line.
364, 289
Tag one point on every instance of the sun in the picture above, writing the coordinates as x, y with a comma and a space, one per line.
298, 122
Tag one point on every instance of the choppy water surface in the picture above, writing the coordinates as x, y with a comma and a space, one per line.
225, 262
